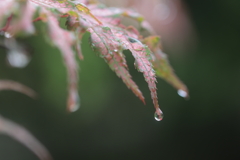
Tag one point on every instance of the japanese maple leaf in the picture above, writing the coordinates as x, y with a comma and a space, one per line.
109, 37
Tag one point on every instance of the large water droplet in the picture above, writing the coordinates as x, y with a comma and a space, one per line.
7, 35
182, 93
158, 115
17, 59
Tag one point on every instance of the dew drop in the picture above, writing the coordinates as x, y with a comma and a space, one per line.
74, 102
74, 108
182, 93
158, 115
115, 50
133, 40
17, 59
7, 35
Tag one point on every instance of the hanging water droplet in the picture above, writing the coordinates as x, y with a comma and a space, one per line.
115, 50
158, 115
74, 108
7, 35
73, 102
182, 93
17, 59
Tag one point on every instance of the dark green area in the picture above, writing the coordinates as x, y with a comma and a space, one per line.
112, 123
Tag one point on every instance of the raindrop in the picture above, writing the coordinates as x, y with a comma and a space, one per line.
182, 93
158, 115
133, 40
17, 59
105, 29
138, 46
115, 50
74, 108
74, 102
7, 35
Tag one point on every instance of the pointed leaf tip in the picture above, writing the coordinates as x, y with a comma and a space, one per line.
73, 103
109, 46
65, 46
141, 53
163, 67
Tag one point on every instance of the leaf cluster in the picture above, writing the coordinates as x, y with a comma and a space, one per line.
109, 38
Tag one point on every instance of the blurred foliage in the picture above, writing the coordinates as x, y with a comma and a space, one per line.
112, 123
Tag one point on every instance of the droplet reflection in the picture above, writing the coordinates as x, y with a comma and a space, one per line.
74, 108
182, 93
158, 115
133, 40
7, 35
17, 59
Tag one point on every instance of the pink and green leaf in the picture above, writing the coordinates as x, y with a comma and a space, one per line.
64, 41
108, 35
162, 66
110, 49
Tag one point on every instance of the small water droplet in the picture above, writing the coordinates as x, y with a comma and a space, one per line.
133, 40
74, 108
182, 93
115, 50
74, 102
106, 29
137, 45
17, 59
7, 35
158, 115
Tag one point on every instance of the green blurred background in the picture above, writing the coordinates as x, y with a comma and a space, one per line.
112, 123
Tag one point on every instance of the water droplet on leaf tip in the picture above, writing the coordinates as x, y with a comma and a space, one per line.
74, 108
7, 35
17, 59
158, 115
182, 93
